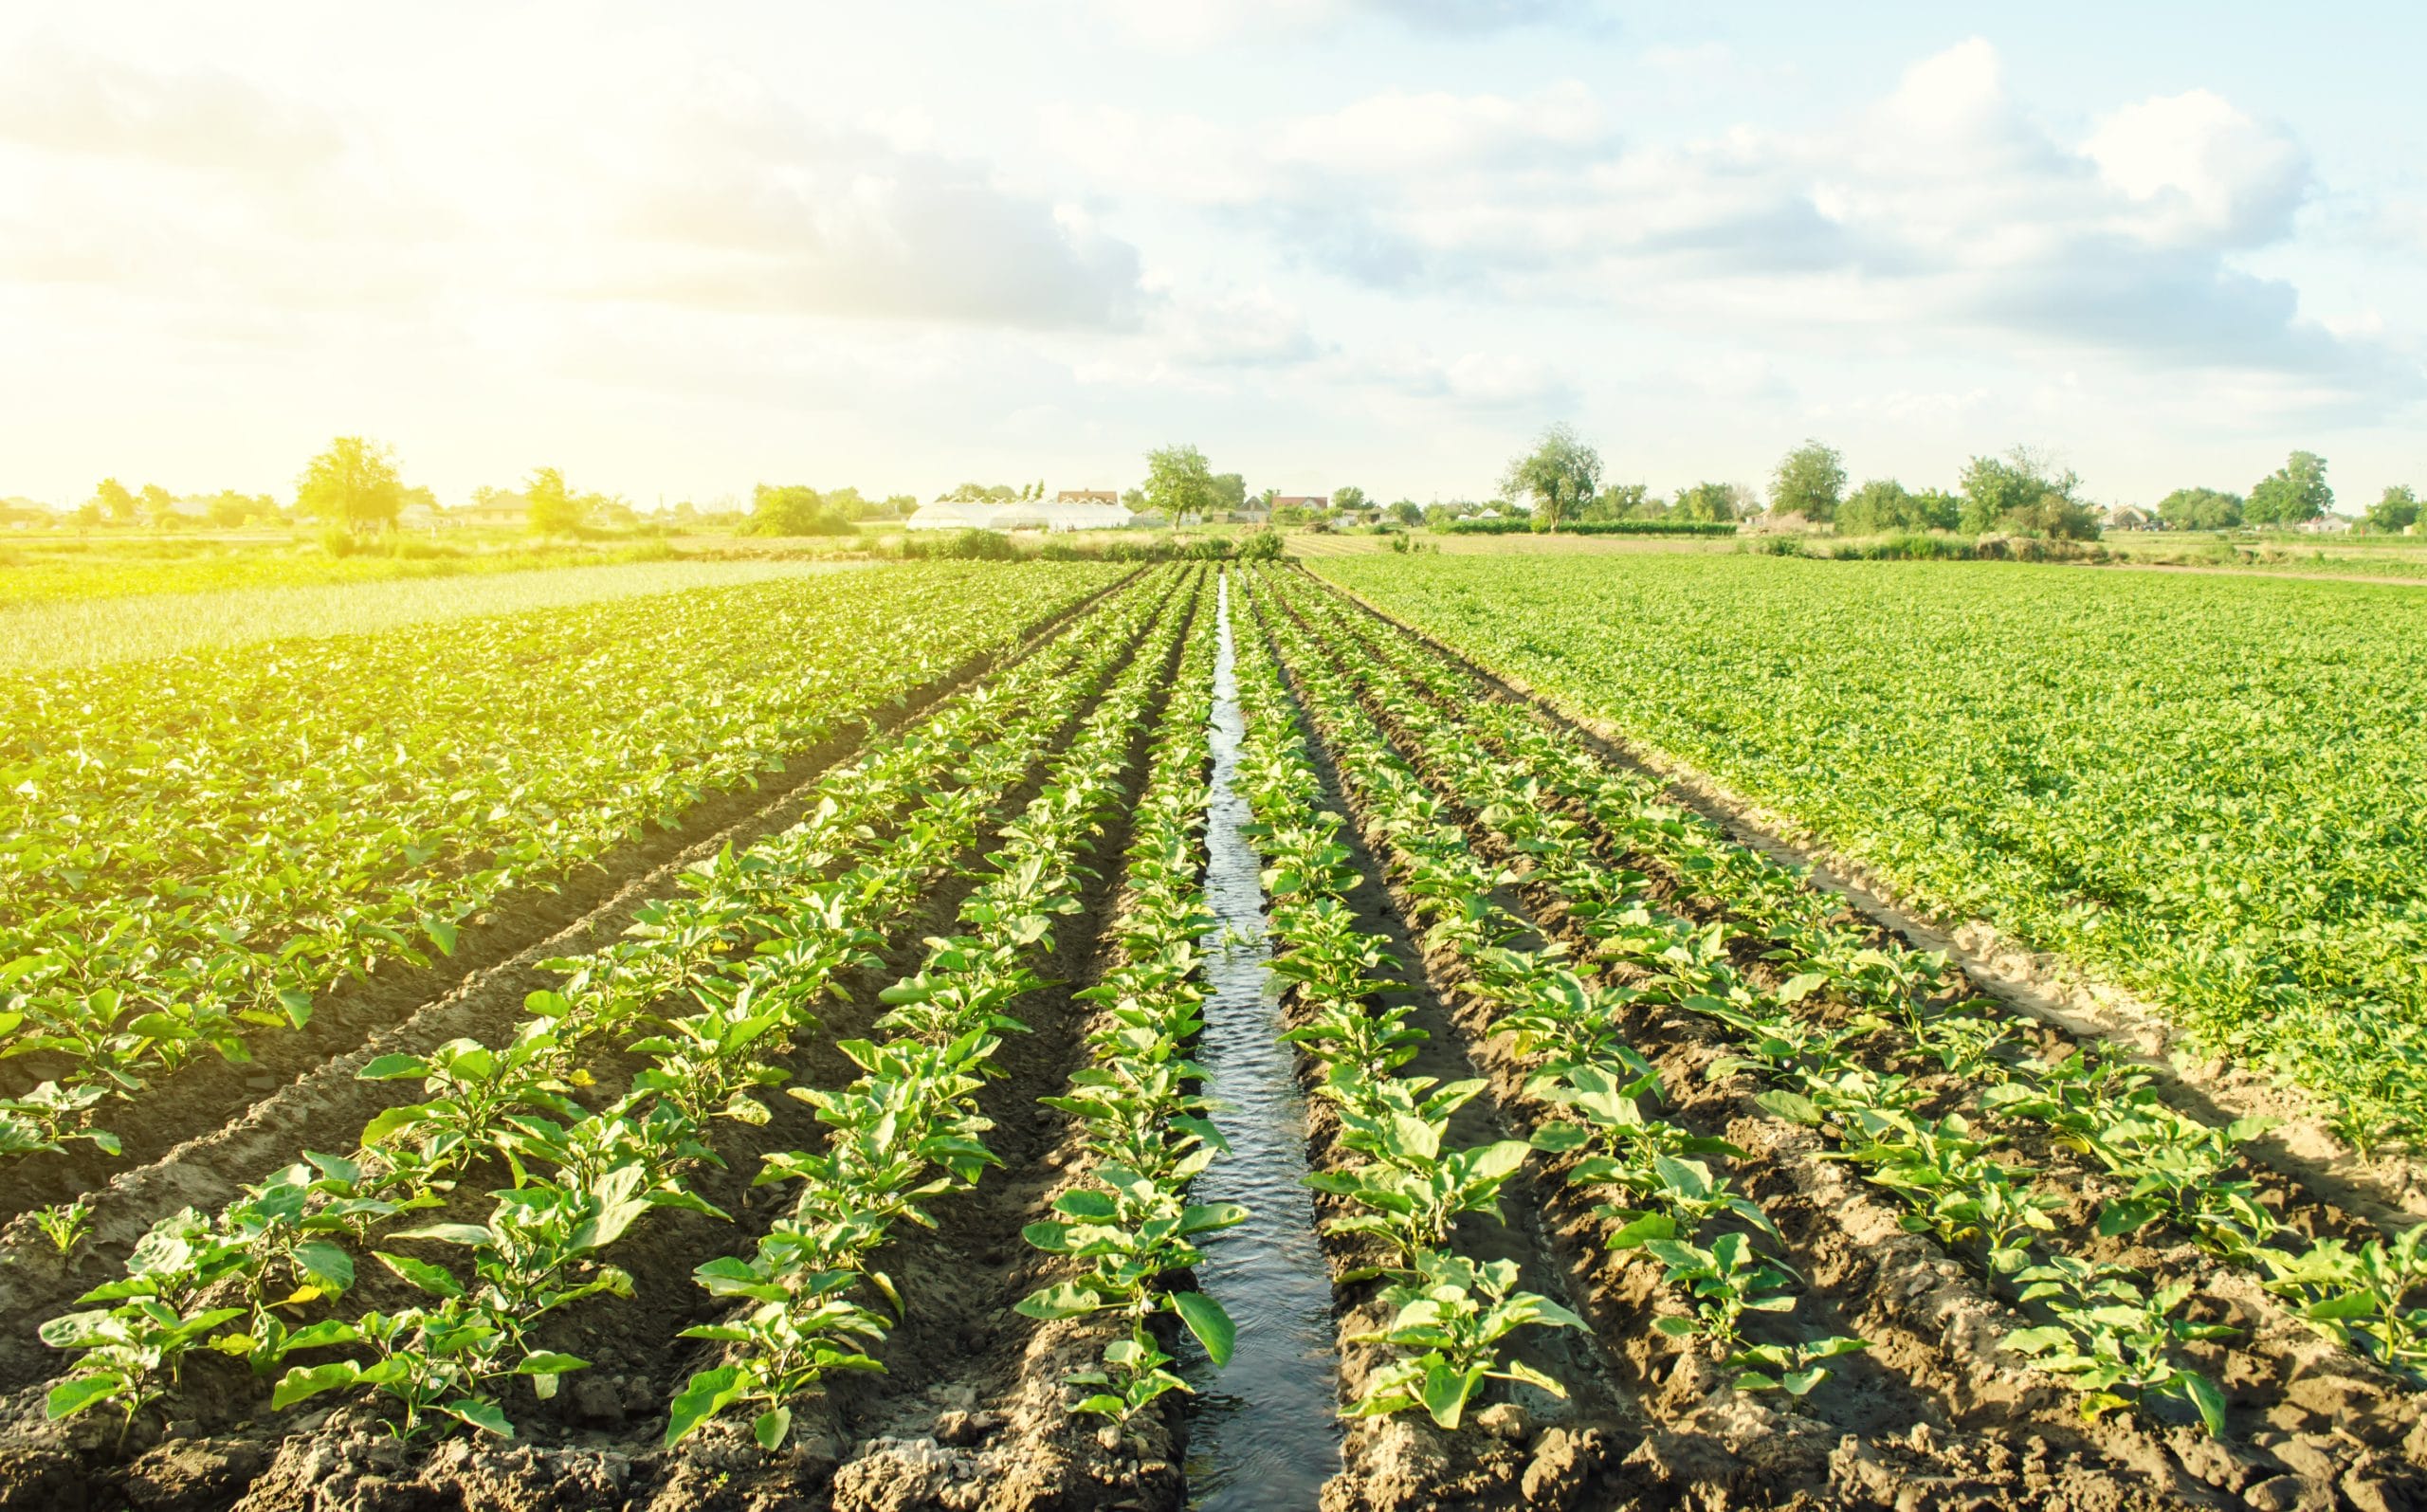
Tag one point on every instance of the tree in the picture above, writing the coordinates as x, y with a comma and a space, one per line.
2396, 512
1625, 501
115, 500
553, 509
1809, 481
900, 507
1348, 496
1710, 503
352, 483
1178, 483
2201, 509
230, 509
1229, 490
793, 509
1878, 506
158, 508
2000, 493
1407, 514
1558, 475
2294, 492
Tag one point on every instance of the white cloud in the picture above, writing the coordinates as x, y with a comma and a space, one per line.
2202, 171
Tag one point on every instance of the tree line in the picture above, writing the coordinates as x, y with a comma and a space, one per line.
2020, 492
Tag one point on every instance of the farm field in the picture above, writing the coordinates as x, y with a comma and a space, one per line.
94, 630
844, 1142
2204, 788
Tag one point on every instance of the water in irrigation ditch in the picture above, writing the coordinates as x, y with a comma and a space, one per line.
1267, 1431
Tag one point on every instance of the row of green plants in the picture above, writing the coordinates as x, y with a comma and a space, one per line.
1654, 1182
2165, 1166
2195, 788
1400, 1184
196, 848
810, 1300
1139, 1104
751, 945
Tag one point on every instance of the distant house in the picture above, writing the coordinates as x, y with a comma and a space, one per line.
1313, 502
1488, 514
2327, 524
497, 508
949, 514
422, 517
2130, 517
1087, 495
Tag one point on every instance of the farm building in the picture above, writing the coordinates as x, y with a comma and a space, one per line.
1087, 495
2130, 517
510, 510
1313, 502
1058, 515
950, 515
2327, 524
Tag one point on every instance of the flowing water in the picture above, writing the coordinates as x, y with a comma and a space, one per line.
1267, 1431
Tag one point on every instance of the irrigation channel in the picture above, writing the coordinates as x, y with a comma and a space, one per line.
1266, 1431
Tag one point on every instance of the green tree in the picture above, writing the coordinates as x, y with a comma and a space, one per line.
1178, 483
1936, 509
115, 500
1878, 506
2201, 509
230, 509
2000, 493
1711, 503
900, 507
1407, 514
2294, 492
1229, 490
1625, 501
553, 509
1348, 496
793, 509
1557, 476
2396, 511
1809, 481
352, 483
158, 508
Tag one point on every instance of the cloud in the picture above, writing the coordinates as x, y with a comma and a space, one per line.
698, 189
1245, 328
1471, 380
1943, 205
1200, 23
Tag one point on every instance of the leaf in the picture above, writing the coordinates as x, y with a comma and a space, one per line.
2207, 1398
1209, 1322
1445, 1390
77, 1393
1793, 1106
548, 1363
432, 1279
481, 1413
310, 1380
394, 1068
706, 1395
771, 1427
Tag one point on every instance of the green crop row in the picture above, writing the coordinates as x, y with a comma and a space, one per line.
711, 988
1832, 987
198, 846
1403, 1186
2204, 789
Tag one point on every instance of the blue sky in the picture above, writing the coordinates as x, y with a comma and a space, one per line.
675, 251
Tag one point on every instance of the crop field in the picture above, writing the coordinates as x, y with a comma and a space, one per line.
2207, 789
771, 1046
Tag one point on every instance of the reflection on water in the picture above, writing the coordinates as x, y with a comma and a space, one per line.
1266, 1431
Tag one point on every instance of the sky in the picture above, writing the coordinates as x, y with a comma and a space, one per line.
678, 250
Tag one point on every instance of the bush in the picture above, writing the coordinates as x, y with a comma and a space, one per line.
964, 546
1257, 546
338, 542
1592, 527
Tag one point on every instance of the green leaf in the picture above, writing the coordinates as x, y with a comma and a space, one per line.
1209, 1322
392, 1068
548, 1363
481, 1413
707, 1395
2207, 1398
77, 1393
771, 1427
1793, 1106
304, 1382
432, 1279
